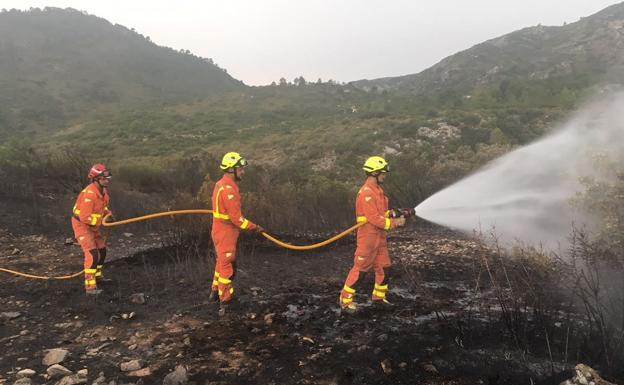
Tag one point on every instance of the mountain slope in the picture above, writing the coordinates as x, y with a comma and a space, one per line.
56, 64
591, 47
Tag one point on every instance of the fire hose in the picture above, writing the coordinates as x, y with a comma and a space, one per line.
106, 223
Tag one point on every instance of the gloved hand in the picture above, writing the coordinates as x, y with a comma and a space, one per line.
400, 221
259, 229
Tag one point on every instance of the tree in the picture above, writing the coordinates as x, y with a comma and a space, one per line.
282, 82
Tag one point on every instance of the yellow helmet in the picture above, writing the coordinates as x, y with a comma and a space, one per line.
232, 160
376, 163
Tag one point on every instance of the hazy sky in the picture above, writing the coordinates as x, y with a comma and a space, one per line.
259, 41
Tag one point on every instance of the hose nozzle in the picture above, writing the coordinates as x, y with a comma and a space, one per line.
405, 213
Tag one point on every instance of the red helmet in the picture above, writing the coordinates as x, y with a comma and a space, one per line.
98, 169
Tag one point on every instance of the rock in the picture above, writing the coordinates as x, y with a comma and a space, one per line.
74, 379
385, 366
128, 315
177, 377
429, 368
15, 251
55, 356
131, 365
23, 381
69, 241
243, 372
268, 319
100, 380
57, 371
128, 235
25, 373
132, 347
24, 332
140, 373
382, 338
10, 314
138, 298
585, 376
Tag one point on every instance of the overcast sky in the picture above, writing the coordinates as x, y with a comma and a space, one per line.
259, 41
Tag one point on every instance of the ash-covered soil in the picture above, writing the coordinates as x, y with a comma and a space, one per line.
154, 316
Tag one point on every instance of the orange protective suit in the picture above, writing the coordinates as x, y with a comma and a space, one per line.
371, 207
227, 222
88, 213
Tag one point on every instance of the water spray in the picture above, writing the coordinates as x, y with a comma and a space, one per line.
525, 195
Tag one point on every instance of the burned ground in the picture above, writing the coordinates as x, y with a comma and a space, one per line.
445, 328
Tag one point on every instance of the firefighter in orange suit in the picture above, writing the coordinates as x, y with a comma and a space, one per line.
90, 209
371, 207
227, 222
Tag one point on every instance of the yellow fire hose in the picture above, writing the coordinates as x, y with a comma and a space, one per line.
31, 276
106, 223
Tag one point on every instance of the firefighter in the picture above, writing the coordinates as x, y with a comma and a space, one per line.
90, 209
227, 222
371, 207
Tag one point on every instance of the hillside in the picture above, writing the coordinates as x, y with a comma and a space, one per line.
57, 65
307, 139
576, 55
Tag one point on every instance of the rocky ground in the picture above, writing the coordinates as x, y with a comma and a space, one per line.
153, 324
